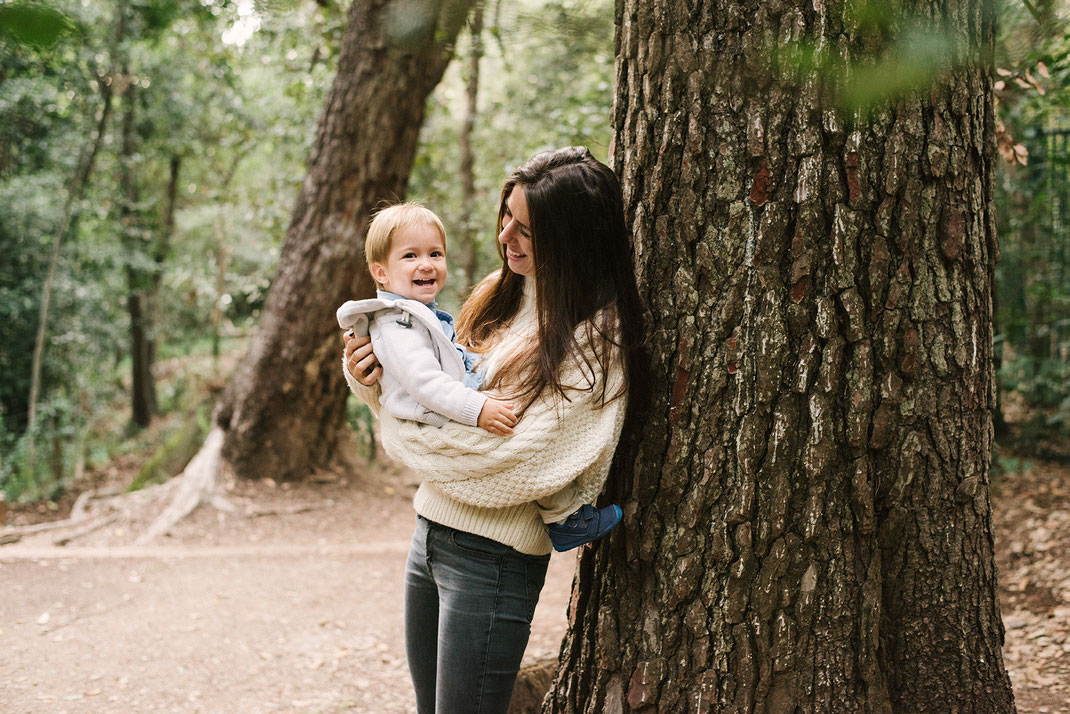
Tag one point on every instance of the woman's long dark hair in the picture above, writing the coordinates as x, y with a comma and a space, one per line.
584, 276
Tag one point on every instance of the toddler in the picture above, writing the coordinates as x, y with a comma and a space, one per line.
427, 377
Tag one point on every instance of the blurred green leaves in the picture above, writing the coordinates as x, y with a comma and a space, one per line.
893, 54
33, 24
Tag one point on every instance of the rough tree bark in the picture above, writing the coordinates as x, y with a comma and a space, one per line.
807, 518
283, 409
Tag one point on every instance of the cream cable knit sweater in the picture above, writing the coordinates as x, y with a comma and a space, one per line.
486, 484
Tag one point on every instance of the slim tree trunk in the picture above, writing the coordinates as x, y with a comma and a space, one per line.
162, 248
143, 387
807, 519
222, 255
469, 248
75, 191
283, 410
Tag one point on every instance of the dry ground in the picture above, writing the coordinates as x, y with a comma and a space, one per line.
292, 612
1032, 523
301, 612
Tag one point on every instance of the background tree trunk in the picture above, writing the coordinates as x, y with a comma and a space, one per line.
283, 409
469, 249
807, 519
75, 191
163, 248
143, 385
222, 255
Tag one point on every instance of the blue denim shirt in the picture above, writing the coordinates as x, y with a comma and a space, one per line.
472, 380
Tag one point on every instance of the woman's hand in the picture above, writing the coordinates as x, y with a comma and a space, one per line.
360, 360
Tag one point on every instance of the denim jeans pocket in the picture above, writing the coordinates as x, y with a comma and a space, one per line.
478, 546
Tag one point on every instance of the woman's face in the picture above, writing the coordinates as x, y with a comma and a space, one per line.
516, 233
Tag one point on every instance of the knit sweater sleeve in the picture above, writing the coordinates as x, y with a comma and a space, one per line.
368, 395
555, 443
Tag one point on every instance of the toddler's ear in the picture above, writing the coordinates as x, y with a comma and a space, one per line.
378, 272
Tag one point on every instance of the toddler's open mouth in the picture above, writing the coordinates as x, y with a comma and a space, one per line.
424, 281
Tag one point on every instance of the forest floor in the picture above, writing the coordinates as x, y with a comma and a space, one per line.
282, 612
298, 609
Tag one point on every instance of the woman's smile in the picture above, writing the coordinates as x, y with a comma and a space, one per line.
516, 233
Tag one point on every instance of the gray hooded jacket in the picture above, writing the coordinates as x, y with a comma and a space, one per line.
423, 372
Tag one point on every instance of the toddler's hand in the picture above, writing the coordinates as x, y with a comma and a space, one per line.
497, 417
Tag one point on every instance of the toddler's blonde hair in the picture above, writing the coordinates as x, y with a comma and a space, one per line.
387, 221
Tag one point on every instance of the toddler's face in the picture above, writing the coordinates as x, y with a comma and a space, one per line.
415, 267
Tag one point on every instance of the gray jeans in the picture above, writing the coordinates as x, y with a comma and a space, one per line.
468, 607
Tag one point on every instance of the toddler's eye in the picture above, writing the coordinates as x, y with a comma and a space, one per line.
437, 254
409, 255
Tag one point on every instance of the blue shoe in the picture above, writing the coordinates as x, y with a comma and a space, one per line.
583, 526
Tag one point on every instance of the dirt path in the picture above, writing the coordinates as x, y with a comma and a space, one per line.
302, 612
288, 613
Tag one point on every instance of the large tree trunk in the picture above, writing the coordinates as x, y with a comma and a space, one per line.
807, 519
284, 408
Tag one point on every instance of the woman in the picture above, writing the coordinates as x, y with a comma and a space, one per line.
558, 327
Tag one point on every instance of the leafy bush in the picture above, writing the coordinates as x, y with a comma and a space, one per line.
362, 421
38, 463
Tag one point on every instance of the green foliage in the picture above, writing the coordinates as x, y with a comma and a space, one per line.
175, 452
36, 464
1033, 212
198, 99
235, 98
33, 24
894, 53
361, 420
1003, 464
546, 80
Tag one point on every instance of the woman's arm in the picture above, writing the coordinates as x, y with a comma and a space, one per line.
555, 443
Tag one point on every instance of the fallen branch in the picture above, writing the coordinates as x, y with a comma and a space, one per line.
79, 514
18, 532
89, 527
284, 510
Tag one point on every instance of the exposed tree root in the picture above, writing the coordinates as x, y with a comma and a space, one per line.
161, 506
181, 495
195, 485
